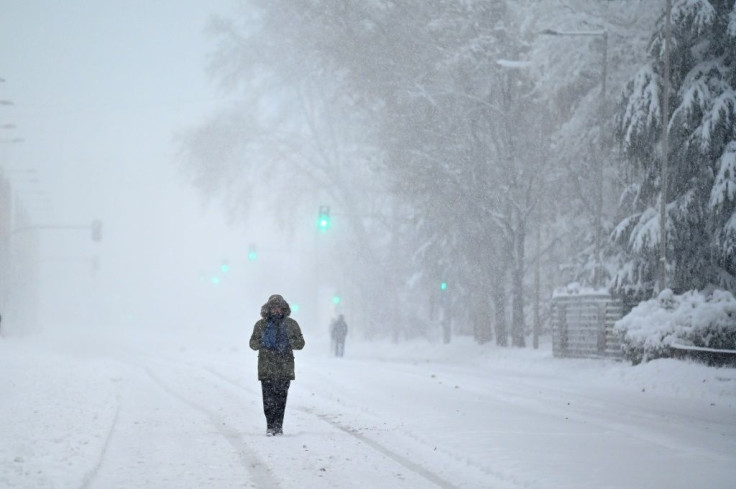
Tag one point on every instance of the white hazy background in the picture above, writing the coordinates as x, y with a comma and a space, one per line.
99, 92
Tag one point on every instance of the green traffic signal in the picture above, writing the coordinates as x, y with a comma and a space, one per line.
252, 253
443, 286
224, 268
336, 299
323, 218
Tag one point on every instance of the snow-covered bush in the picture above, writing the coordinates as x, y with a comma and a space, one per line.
695, 318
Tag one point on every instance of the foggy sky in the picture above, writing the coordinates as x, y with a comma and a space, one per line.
99, 91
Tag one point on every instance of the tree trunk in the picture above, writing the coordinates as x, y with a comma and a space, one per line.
482, 332
499, 304
537, 286
517, 284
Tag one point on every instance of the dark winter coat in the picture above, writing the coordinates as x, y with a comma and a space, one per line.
339, 329
273, 364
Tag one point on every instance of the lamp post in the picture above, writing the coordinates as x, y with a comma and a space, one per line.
599, 168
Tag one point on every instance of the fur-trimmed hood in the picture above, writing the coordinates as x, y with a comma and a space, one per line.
275, 300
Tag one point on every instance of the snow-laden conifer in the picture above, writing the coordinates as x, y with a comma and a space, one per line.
701, 197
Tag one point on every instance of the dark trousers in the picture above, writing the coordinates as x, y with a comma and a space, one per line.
339, 347
274, 401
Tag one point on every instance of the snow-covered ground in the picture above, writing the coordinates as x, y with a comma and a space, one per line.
180, 411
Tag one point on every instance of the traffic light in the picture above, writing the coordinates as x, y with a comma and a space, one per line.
252, 253
225, 266
323, 218
97, 230
443, 286
336, 299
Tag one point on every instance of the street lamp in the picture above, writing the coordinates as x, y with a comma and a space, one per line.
601, 119
513, 64
9, 126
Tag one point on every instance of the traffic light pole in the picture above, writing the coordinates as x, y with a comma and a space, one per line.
49, 226
95, 228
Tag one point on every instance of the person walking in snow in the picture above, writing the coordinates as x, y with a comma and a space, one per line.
275, 336
338, 331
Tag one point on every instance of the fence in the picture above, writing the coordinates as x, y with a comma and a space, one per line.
582, 326
709, 356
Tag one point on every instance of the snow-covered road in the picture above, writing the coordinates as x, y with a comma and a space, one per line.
169, 413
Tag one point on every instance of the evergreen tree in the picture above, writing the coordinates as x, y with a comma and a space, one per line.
701, 196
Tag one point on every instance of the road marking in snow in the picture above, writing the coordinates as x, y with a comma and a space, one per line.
262, 476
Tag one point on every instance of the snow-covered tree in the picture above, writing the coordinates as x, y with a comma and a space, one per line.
401, 111
701, 197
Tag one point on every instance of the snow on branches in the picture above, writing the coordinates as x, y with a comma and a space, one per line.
701, 168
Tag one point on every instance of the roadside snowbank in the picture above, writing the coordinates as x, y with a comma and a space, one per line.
693, 318
664, 376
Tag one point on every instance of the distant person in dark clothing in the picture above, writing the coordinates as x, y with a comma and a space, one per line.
338, 331
275, 336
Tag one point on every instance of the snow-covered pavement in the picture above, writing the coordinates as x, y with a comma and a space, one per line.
177, 411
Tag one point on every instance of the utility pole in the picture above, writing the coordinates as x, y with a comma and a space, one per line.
665, 151
598, 275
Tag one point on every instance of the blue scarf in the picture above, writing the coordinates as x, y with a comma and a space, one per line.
275, 337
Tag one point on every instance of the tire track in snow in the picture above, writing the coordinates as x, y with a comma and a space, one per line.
499, 475
93, 473
416, 468
261, 475
651, 427
401, 460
